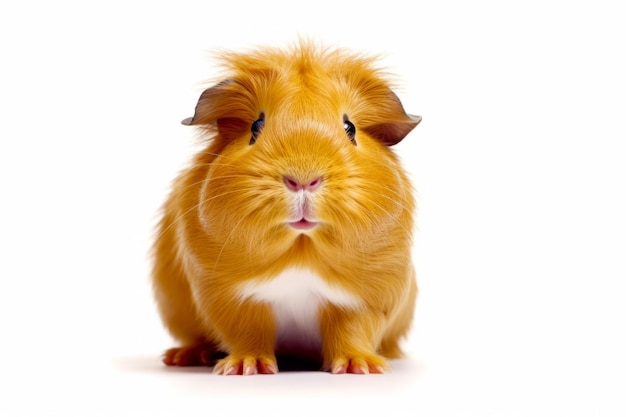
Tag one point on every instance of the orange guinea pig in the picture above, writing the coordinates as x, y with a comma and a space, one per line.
290, 233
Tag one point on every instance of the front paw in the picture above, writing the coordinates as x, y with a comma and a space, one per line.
246, 364
357, 364
200, 354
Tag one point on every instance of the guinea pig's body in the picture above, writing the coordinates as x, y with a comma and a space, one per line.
291, 232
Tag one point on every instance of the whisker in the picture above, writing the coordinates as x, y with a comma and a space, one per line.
186, 212
391, 199
221, 177
392, 217
360, 180
174, 222
219, 256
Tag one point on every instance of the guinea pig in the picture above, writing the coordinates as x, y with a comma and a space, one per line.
290, 233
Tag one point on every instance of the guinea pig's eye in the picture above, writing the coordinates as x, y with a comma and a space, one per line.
350, 129
257, 127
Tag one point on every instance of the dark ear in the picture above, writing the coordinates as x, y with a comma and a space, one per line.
392, 123
210, 103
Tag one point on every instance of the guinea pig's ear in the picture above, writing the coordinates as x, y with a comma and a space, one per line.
392, 122
209, 105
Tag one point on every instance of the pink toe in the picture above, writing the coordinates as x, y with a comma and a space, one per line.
267, 368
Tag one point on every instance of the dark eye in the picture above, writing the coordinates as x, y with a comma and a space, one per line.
256, 128
350, 129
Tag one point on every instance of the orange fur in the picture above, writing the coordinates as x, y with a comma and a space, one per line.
225, 222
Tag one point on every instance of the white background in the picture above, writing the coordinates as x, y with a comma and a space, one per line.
519, 164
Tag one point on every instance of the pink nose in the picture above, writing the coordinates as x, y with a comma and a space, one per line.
295, 185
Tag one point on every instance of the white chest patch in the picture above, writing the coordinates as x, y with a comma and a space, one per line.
296, 296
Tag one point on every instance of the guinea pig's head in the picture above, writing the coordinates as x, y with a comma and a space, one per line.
300, 148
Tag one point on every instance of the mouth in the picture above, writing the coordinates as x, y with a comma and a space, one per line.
303, 224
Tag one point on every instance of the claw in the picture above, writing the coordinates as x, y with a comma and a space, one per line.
246, 365
195, 355
363, 365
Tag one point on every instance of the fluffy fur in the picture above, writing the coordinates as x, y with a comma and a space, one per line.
227, 225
